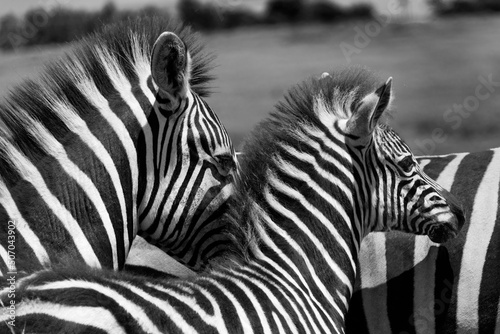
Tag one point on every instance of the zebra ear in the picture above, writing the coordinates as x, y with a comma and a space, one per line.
371, 108
170, 64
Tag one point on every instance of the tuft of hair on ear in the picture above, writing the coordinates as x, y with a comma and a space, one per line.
370, 110
381, 99
385, 103
384, 93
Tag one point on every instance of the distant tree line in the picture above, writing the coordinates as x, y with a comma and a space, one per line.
465, 7
59, 25
46, 25
215, 15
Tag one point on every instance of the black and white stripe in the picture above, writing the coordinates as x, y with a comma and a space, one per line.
306, 199
430, 288
110, 141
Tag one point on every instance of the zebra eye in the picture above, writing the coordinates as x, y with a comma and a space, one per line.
225, 161
406, 163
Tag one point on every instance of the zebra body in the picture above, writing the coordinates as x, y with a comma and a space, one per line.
316, 177
111, 141
430, 288
416, 291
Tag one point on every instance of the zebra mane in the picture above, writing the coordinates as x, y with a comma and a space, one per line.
120, 46
122, 40
340, 92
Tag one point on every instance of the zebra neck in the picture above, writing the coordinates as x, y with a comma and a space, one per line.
314, 247
171, 145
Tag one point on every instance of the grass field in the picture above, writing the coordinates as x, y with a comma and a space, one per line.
435, 66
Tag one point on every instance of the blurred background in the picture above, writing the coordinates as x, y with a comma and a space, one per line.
444, 56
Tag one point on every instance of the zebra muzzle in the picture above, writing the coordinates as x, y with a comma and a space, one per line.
448, 229
444, 231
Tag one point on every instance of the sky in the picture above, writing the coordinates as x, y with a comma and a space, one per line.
418, 7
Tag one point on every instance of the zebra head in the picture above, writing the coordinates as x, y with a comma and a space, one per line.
188, 157
113, 140
397, 194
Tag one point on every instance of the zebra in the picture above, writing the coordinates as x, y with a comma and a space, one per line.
429, 288
416, 292
112, 141
316, 176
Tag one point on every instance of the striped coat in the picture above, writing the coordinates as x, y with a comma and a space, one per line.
416, 286
111, 141
317, 176
408, 284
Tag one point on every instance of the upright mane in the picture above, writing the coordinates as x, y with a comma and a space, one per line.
340, 92
121, 45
